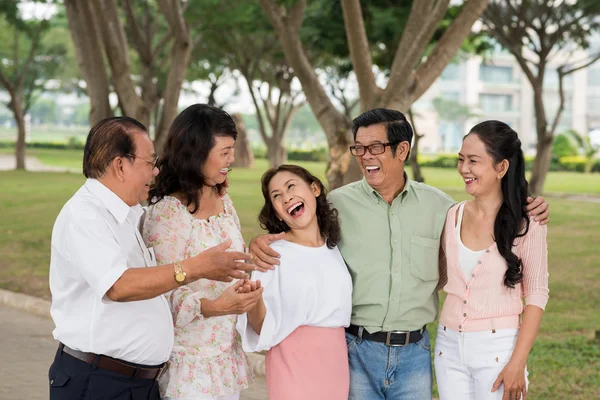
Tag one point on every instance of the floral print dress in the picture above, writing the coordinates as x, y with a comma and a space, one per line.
207, 359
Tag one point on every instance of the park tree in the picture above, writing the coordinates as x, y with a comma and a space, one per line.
28, 62
535, 32
410, 74
103, 33
238, 36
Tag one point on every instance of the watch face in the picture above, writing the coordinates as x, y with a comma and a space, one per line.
180, 277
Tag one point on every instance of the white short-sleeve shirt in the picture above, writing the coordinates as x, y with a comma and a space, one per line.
310, 287
95, 240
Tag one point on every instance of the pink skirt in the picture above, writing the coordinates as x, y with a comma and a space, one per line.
310, 364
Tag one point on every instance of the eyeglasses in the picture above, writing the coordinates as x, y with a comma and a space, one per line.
153, 162
374, 149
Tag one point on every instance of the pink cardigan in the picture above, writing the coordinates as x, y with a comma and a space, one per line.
481, 301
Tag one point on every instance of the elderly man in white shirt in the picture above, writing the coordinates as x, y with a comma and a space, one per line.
113, 324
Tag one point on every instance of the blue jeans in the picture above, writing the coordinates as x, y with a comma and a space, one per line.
378, 371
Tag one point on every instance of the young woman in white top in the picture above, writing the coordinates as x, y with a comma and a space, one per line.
307, 299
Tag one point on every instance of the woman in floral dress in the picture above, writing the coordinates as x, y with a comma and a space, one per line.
190, 212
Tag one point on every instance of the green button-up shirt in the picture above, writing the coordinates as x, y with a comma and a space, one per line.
392, 253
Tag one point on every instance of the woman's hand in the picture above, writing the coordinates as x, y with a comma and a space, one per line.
249, 286
513, 377
232, 300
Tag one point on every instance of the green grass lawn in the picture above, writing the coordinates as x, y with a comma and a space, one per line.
564, 362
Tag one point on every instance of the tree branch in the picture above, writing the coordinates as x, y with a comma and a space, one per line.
324, 110
35, 41
173, 13
360, 53
590, 61
423, 20
6, 82
259, 116
446, 48
561, 104
140, 42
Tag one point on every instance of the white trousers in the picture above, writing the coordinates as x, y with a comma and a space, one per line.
468, 363
235, 396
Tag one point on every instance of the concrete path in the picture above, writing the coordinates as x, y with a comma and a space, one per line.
8, 163
27, 350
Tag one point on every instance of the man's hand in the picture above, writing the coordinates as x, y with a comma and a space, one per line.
538, 209
219, 265
231, 301
266, 257
513, 377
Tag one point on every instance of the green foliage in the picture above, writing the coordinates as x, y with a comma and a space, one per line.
30, 59
568, 163
324, 34
562, 146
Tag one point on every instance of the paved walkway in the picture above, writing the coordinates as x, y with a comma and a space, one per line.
8, 162
27, 349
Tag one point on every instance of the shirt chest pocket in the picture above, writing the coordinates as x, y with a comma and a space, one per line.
424, 253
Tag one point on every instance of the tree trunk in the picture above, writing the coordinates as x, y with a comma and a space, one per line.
180, 56
541, 165
276, 152
244, 157
89, 58
544, 141
115, 45
341, 168
17, 109
414, 153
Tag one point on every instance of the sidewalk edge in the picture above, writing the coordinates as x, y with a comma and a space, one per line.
24, 302
41, 308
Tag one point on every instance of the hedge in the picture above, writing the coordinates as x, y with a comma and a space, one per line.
568, 163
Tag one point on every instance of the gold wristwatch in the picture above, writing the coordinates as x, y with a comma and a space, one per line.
180, 274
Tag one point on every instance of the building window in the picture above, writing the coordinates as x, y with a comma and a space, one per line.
551, 79
594, 76
451, 72
491, 103
495, 74
451, 134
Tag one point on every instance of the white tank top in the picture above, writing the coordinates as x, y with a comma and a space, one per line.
467, 258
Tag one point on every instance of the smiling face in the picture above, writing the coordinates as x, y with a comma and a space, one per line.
382, 171
219, 160
479, 171
294, 200
139, 173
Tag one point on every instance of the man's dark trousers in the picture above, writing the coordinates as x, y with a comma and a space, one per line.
73, 379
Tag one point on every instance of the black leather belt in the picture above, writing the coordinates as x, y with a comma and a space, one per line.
114, 365
391, 338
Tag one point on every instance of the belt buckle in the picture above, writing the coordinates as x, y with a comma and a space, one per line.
388, 339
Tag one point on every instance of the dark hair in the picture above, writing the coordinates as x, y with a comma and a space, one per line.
189, 142
327, 216
397, 127
502, 143
109, 138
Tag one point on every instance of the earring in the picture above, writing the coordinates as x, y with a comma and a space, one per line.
499, 177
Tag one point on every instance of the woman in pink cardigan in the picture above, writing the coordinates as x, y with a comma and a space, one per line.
496, 256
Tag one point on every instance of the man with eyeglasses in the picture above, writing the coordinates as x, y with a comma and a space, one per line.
390, 240
114, 327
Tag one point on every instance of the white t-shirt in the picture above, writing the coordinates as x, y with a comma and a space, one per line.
310, 287
94, 241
